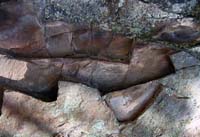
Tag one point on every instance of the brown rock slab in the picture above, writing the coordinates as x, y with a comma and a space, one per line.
69, 40
20, 32
22, 35
38, 78
59, 38
103, 45
148, 63
180, 32
129, 103
79, 111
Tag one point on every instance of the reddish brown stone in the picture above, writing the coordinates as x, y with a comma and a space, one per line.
109, 61
37, 78
20, 31
148, 63
179, 33
21, 35
128, 104
65, 40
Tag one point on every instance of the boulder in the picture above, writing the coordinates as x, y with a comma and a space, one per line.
130, 103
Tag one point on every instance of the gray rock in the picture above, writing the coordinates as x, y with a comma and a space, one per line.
131, 17
79, 111
176, 110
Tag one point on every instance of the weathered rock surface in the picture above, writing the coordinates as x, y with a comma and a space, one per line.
108, 77
130, 17
176, 110
20, 30
37, 78
23, 36
34, 39
81, 41
184, 31
79, 110
128, 104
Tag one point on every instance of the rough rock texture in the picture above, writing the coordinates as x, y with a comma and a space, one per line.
176, 111
37, 78
108, 77
26, 40
130, 17
80, 110
128, 104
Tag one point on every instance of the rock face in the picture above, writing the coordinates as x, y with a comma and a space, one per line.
180, 32
78, 111
108, 77
37, 78
81, 41
37, 52
20, 29
130, 103
175, 111
30, 41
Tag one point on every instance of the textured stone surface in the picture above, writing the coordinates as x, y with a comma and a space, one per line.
108, 77
131, 17
37, 78
23, 36
128, 104
185, 31
79, 110
20, 29
176, 110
